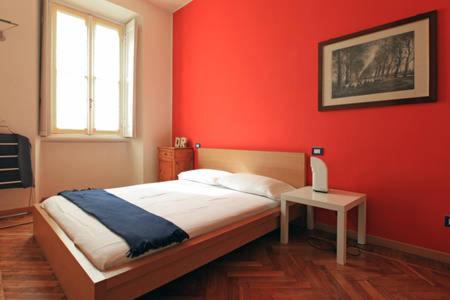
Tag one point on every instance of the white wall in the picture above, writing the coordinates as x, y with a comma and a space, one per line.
155, 88
68, 165
19, 81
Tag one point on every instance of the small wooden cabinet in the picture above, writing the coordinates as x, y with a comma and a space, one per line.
173, 161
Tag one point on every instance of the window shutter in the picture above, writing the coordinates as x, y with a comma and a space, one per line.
45, 69
129, 121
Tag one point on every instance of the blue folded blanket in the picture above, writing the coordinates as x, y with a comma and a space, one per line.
140, 229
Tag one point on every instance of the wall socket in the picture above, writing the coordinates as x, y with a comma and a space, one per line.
319, 151
447, 221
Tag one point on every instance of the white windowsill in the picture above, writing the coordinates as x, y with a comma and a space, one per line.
81, 138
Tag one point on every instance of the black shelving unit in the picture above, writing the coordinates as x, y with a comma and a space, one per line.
9, 162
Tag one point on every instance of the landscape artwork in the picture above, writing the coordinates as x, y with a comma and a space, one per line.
380, 66
390, 64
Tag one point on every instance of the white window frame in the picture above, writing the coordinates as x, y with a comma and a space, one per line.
91, 20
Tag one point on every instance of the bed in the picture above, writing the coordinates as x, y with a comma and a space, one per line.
86, 271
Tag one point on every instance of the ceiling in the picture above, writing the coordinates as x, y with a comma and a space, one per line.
170, 5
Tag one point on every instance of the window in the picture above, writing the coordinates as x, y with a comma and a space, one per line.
92, 74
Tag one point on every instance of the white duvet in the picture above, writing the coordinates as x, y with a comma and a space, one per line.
195, 207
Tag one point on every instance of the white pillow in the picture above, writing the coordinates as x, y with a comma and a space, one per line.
255, 184
206, 176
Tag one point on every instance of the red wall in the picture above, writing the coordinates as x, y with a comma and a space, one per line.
245, 77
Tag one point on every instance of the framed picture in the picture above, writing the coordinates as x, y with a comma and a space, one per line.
390, 64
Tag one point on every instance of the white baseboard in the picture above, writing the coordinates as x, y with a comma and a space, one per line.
379, 241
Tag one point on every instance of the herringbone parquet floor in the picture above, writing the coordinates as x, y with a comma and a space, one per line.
261, 270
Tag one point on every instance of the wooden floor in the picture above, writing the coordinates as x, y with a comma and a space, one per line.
261, 270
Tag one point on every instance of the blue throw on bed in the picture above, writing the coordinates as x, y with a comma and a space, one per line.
140, 229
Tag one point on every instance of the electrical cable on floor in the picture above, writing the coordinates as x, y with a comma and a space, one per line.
329, 245
21, 214
30, 197
15, 225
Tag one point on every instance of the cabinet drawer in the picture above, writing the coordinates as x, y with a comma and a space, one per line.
166, 154
183, 165
185, 154
165, 170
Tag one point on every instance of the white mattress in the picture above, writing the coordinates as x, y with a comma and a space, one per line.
195, 207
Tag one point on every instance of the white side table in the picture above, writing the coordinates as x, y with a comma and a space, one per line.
337, 200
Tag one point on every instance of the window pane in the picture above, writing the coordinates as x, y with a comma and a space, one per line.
71, 72
71, 107
106, 78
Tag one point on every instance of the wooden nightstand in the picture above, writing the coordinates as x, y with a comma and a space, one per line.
337, 200
173, 161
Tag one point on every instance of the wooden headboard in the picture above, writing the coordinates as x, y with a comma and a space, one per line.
286, 166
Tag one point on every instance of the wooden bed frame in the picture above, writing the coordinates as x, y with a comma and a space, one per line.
81, 280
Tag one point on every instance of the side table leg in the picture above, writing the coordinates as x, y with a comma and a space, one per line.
284, 222
310, 217
362, 223
341, 237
